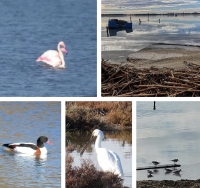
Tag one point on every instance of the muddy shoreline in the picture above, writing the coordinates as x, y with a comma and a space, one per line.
168, 184
156, 55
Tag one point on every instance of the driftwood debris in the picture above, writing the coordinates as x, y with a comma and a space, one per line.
127, 81
159, 166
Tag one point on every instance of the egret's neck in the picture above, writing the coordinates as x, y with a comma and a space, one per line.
98, 142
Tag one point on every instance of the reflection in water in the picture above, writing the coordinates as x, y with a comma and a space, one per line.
117, 141
161, 29
150, 176
79, 140
113, 32
29, 163
39, 160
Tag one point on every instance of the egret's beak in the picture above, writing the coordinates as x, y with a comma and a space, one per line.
86, 145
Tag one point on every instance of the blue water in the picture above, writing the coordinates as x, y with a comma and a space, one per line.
169, 132
29, 28
25, 122
171, 30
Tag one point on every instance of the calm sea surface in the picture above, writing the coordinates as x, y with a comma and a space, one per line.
173, 30
119, 142
169, 132
29, 28
25, 122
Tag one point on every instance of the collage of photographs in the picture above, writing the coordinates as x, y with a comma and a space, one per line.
101, 94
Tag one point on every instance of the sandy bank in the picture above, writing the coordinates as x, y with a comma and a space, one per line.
157, 55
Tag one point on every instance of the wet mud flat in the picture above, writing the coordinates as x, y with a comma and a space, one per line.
169, 184
165, 55
158, 55
157, 70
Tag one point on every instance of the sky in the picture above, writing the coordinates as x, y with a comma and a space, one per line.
149, 6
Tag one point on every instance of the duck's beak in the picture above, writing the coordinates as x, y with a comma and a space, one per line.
48, 142
86, 145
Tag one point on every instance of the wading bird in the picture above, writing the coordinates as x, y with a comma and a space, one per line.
54, 58
175, 160
107, 159
155, 162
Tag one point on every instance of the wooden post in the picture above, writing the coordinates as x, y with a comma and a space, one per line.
107, 30
154, 105
159, 166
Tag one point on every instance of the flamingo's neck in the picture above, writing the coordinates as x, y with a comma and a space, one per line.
62, 59
61, 56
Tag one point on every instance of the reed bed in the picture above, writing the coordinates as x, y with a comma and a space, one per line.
127, 81
82, 116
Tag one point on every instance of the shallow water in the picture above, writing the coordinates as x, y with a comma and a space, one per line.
30, 28
119, 142
25, 122
169, 132
173, 30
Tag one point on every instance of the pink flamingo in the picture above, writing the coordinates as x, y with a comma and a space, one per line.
54, 58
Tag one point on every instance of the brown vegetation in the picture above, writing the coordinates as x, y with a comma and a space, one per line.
87, 115
87, 176
127, 81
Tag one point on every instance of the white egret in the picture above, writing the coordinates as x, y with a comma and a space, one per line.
107, 160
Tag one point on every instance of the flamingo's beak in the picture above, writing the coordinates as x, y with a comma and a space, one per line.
64, 50
48, 142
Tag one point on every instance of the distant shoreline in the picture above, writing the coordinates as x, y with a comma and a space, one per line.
154, 14
169, 183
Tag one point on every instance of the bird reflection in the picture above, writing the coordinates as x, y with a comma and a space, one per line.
149, 175
155, 171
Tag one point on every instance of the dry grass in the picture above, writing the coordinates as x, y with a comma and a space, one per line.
87, 115
87, 176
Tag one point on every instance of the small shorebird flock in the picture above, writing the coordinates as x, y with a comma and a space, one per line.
167, 170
